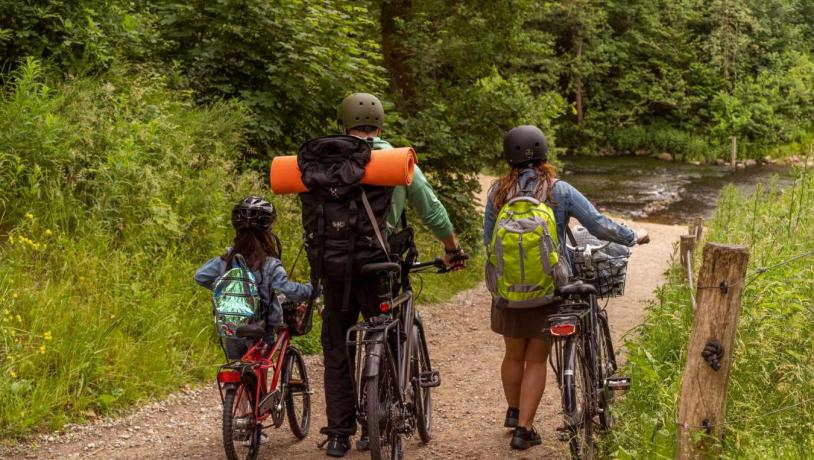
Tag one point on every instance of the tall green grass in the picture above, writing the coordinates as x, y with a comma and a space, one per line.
774, 353
113, 190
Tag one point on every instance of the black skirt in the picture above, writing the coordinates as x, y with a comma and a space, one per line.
526, 323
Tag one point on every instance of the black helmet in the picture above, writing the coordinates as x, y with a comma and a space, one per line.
523, 144
253, 213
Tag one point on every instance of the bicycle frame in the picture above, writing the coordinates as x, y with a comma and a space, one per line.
254, 362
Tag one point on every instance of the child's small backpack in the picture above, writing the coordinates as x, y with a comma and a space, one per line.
235, 298
523, 268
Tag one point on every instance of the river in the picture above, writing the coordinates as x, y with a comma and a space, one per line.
662, 191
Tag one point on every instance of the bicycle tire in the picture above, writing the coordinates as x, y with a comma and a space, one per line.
380, 396
297, 386
422, 397
577, 399
607, 365
241, 435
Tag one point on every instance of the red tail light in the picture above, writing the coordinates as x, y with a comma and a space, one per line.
229, 377
384, 307
562, 330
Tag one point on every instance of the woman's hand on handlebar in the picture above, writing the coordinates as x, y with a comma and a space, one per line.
642, 237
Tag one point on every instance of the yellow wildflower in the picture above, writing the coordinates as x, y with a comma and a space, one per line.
48, 232
19, 319
30, 216
42, 349
47, 335
12, 373
13, 295
11, 239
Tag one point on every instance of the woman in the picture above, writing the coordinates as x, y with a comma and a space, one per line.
524, 331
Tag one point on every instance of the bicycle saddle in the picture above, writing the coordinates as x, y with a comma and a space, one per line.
577, 288
379, 267
251, 331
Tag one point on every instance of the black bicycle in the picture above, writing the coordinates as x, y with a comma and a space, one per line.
393, 376
583, 357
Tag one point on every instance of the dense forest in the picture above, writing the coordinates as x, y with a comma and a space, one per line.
601, 76
128, 128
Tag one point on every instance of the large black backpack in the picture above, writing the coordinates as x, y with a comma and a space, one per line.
338, 212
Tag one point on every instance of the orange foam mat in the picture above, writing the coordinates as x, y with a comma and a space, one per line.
389, 167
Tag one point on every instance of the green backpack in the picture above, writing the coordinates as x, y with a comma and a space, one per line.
235, 298
523, 267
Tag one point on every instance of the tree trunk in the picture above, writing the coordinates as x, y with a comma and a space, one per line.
396, 52
578, 83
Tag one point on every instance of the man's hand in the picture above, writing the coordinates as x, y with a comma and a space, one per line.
455, 260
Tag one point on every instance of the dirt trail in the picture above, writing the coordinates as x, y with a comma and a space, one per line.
468, 407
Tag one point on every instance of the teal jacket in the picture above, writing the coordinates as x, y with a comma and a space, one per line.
421, 198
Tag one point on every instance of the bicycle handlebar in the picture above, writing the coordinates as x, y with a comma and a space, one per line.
438, 263
588, 249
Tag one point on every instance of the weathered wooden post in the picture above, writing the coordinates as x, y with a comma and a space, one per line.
687, 252
734, 160
702, 402
696, 227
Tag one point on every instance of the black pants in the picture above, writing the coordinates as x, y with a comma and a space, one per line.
340, 404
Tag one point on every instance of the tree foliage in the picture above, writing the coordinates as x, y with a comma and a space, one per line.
616, 75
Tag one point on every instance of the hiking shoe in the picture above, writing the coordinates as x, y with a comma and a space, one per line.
337, 445
363, 443
512, 416
248, 442
522, 438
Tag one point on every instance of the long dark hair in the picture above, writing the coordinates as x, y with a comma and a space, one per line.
255, 246
509, 185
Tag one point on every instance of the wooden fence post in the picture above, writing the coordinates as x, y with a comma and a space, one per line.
734, 160
687, 251
696, 227
702, 401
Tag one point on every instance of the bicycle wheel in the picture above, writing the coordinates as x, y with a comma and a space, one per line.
607, 366
241, 432
422, 396
577, 399
380, 400
298, 394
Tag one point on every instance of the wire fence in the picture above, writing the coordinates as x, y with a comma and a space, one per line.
756, 273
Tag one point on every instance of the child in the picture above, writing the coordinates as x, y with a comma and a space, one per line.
252, 219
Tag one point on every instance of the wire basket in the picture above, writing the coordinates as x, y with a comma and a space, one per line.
606, 273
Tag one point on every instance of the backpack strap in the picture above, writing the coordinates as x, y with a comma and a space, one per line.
375, 224
354, 211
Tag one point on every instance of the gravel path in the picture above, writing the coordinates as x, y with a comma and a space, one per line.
468, 407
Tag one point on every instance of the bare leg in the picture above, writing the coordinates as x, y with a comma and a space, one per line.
511, 371
534, 379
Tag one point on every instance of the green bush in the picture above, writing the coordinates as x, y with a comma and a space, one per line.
773, 353
114, 190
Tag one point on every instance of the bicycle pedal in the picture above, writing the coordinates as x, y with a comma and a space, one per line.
429, 379
618, 383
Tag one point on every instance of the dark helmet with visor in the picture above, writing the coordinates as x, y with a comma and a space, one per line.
253, 213
525, 144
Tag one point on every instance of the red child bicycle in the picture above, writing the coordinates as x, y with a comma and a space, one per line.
253, 402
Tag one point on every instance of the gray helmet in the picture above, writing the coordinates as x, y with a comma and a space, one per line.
360, 109
524, 144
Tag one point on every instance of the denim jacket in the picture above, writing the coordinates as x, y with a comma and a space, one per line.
567, 202
271, 277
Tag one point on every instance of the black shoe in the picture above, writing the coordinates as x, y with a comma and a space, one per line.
512, 414
363, 443
522, 438
337, 445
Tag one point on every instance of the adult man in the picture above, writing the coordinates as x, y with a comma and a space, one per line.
362, 115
